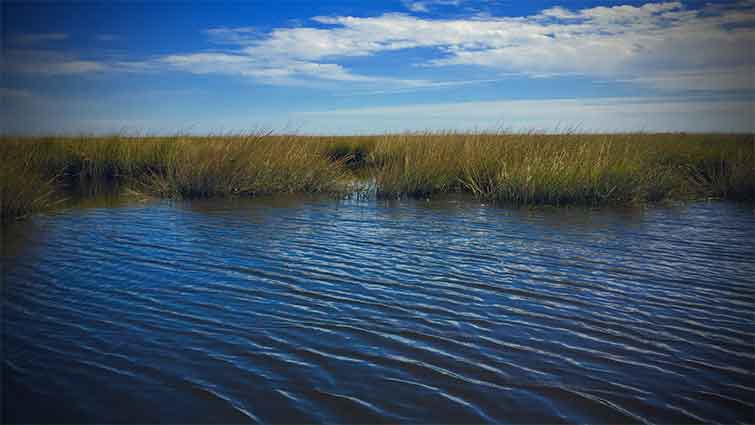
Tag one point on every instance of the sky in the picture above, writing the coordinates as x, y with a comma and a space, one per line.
365, 67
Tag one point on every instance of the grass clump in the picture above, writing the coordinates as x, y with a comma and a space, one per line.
247, 166
23, 189
352, 151
416, 165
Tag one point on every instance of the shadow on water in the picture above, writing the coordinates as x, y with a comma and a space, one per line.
85, 194
22, 235
310, 309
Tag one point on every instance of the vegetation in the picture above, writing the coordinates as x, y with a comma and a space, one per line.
245, 166
567, 168
23, 188
519, 168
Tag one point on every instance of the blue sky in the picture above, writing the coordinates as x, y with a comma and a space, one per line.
355, 67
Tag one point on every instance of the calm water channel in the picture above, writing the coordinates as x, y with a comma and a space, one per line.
315, 310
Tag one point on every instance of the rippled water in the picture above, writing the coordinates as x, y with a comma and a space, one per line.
294, 310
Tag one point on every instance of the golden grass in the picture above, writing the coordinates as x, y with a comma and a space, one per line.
246, 166
519, 168
566, 169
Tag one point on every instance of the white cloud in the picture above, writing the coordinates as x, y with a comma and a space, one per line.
558, 12
270, 70
644, 43
661, 45
417, 6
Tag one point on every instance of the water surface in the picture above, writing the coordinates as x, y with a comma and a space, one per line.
308, 310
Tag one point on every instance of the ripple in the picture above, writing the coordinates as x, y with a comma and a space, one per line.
368, 312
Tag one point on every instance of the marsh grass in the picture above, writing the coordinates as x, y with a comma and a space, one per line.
551, 169
247, 166
567, 168
23, 189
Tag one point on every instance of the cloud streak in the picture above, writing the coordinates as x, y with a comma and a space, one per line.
49, 63
596, 114
424, 6
38, 38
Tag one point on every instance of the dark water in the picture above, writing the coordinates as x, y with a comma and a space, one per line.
301, 311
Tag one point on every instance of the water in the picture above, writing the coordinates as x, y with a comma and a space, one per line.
306, 310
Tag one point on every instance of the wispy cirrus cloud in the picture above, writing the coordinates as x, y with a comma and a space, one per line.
424, 6
237, 35
49, 63
38, 38
721, 79
108, 37
603, 115
264, 69
8, 93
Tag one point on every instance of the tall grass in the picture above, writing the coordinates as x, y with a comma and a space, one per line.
520, 168
568, 168
247, 166
23, 189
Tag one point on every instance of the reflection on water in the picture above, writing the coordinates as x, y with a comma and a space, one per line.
300, 310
